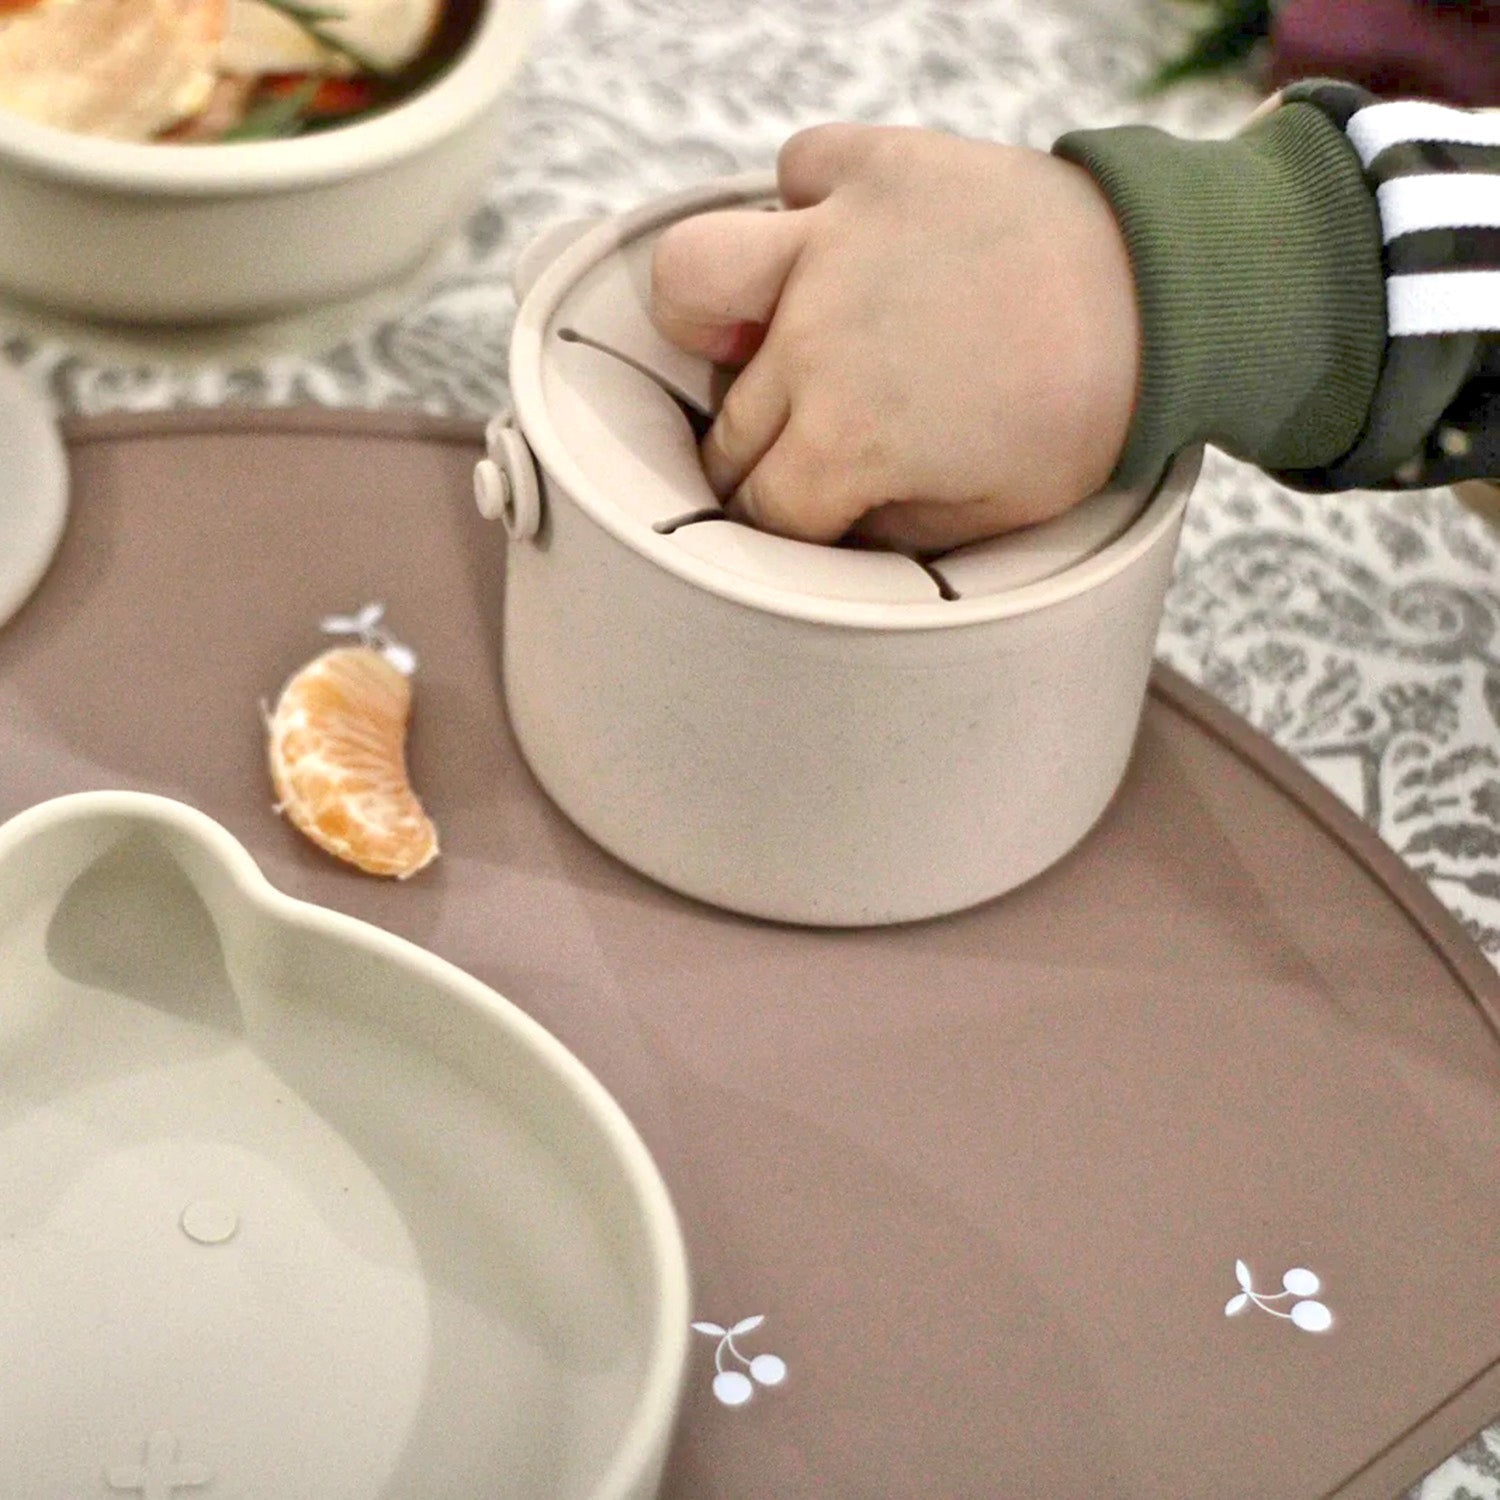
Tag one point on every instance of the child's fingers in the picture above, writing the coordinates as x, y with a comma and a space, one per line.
754, 412
933, 526
938, 525
814, 162
1268, 105
791, 492
714, 274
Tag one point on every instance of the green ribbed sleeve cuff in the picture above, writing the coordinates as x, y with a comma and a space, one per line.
1258, 278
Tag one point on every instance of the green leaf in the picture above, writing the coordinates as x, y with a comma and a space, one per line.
275, 119
1223, 44
313, 19
307, 15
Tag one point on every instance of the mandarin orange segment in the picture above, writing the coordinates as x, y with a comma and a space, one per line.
338, 760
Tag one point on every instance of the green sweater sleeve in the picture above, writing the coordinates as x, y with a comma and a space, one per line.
1258, 272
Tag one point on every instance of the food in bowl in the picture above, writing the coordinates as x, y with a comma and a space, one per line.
143, 233
132, 231
196, 71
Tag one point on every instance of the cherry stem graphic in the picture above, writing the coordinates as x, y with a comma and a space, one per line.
734, 1350
1260, 1302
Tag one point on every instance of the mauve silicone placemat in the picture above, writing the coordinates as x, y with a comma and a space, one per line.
986, 1179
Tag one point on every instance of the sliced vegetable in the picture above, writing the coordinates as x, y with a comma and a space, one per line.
275, 118
332, 98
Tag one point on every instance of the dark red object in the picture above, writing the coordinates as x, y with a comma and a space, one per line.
1395, 48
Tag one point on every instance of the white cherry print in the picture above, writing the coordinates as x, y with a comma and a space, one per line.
1307, 1314
735, 1387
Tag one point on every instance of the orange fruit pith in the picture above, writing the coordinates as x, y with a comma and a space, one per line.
338, 761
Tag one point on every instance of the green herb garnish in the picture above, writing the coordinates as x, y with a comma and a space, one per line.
314, 20
275, 119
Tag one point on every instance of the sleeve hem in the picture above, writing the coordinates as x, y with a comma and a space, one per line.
1258, 277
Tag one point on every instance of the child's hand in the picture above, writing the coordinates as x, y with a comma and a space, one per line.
952, 342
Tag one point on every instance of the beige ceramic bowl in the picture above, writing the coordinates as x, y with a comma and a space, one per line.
148, 233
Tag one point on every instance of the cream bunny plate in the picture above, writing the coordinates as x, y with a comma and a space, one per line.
293, 1210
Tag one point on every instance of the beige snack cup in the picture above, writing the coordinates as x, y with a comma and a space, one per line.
810, 734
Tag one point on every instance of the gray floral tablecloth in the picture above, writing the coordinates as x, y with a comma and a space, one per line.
1358, 631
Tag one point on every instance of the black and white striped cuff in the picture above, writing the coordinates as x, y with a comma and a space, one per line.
1436, 169
1435, 174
